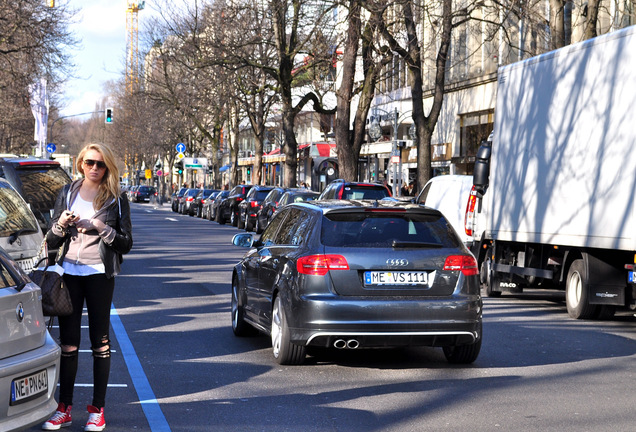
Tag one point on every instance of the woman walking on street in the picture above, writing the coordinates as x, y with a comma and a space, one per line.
92, 222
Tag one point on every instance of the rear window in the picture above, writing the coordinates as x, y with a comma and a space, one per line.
14, 214
364, 192
146, 189
301, 198
381, 230
260, 195
40, 188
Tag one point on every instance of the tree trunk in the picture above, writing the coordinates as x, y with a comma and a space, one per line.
347, 157
290, 147
592, 19
557, 23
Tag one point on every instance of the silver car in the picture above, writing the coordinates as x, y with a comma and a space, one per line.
29, 357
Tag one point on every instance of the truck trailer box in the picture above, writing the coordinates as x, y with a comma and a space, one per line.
562, 171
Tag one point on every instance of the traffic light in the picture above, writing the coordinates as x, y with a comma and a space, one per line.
178, 165
109, 116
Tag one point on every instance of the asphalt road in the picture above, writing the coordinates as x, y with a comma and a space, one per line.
178, 367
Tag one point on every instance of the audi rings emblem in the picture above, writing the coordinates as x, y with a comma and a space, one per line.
19, 312
397, 262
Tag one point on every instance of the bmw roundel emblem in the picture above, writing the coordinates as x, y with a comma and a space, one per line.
19, 312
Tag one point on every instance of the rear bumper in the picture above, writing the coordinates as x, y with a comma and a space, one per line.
23, 415
386, 322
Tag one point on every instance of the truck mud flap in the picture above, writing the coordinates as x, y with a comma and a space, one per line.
607, 295
607, 283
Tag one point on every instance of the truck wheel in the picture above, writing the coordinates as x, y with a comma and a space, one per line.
488, 278
577, 292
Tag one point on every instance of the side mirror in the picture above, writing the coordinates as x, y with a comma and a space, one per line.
243, 240
481, 173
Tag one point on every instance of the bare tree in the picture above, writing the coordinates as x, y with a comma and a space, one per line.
35, 43
299, 33
360, 41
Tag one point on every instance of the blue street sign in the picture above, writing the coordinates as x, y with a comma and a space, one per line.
50, 147
181, 147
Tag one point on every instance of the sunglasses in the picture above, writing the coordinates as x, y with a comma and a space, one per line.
91, 162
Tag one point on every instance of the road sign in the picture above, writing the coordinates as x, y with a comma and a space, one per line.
180, 156
50, 147
194, 163
159, 173
181, 147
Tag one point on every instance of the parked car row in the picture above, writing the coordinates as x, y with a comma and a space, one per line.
252, 207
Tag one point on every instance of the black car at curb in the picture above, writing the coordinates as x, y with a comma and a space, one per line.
38, 181
250, 206
229, 207
358, 274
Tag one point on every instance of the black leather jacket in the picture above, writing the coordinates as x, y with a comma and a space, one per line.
111, 254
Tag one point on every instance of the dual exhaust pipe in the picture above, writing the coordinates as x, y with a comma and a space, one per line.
349, 344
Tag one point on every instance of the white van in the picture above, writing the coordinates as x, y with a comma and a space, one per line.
449, 194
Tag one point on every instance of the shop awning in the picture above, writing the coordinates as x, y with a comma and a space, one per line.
323, 150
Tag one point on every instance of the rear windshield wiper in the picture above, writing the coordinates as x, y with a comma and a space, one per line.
13, 237
414, 244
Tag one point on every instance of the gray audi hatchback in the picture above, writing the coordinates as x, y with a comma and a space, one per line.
358, 274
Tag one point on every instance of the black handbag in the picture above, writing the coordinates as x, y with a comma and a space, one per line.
56, 300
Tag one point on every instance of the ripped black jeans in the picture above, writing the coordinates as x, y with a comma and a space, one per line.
97, 291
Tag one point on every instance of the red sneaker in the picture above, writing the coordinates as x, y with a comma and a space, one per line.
96, 420
61, 418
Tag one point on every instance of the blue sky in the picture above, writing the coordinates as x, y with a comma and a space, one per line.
101, 28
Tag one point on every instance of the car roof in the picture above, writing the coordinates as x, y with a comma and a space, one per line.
29, 161
328, 206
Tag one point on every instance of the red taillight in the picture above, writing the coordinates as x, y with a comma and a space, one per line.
464, 263
254, 204
189, 199
319, 265
470, 212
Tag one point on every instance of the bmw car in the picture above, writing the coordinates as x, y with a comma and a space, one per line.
29, 357
355, 275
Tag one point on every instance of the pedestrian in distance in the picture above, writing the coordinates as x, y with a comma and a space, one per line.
92, 226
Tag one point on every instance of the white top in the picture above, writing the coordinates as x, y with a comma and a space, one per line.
85, 210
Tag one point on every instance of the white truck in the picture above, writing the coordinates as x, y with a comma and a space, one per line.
553, 202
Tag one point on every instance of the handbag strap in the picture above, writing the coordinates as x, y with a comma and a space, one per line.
43, 254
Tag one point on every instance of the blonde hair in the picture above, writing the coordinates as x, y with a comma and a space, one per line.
109, 188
